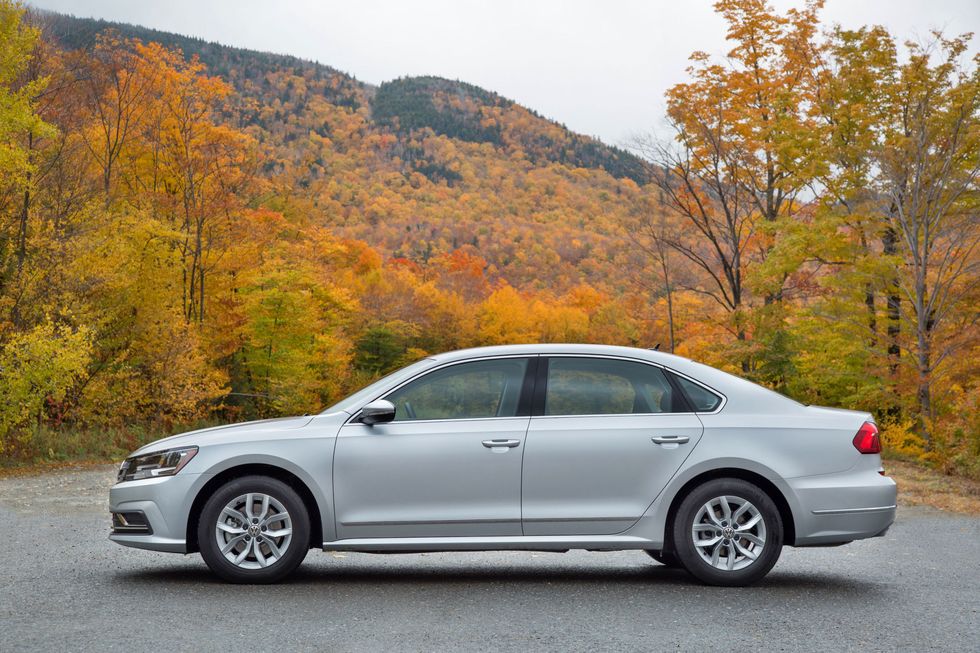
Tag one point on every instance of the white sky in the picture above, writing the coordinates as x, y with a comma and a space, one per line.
599, 66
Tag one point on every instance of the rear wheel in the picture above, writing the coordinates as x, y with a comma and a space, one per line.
254, 529
728, 532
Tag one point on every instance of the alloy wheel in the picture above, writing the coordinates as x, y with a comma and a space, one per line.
729, 533
253, 531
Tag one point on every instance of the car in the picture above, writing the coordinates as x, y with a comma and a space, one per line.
521, 447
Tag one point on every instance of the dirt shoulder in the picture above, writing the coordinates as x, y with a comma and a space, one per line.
922, 486
58, 490
34, 469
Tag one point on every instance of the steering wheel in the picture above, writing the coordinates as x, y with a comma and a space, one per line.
409, 411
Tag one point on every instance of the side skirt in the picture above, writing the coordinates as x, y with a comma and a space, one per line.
510, 543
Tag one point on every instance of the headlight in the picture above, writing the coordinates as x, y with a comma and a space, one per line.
151, 465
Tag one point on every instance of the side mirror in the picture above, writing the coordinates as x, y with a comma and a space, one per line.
378, 411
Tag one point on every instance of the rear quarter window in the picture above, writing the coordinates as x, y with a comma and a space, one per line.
700, 398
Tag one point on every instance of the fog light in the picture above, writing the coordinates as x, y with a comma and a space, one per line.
130, 522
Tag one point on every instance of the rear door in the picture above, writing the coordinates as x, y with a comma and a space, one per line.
448, 465
605, 436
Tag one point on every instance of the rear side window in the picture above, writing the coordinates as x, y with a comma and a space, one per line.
702, 399
602, 386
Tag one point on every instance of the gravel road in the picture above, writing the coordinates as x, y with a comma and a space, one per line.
64, 586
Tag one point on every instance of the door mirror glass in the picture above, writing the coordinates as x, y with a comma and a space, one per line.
378, 411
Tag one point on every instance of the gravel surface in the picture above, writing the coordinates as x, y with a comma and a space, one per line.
64, 586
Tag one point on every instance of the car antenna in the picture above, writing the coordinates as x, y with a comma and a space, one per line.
656, 347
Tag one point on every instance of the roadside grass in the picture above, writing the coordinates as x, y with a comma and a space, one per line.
46, 448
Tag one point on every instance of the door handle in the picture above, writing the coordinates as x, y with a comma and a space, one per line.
670, 439
490, 444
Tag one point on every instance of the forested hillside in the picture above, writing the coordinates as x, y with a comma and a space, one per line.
329, 138
190, 231
468, 113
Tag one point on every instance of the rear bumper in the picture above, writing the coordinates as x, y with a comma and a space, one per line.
836, 508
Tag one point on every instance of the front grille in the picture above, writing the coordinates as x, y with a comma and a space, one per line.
131, 522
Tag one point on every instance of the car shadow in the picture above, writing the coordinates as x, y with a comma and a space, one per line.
364, 575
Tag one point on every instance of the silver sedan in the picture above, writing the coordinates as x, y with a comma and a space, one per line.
532, 447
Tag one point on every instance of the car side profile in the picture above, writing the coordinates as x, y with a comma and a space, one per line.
524, 447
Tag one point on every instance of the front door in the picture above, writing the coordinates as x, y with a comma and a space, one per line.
606, 436
449, 465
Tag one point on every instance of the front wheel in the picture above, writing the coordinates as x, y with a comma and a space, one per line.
728, 532
254, 529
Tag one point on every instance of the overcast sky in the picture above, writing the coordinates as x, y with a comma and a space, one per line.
599, 66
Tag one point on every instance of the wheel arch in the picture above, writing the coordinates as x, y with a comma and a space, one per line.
255, 469
766, 485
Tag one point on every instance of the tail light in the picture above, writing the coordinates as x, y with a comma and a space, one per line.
867, 440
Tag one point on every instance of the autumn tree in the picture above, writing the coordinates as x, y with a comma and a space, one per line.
20, 126
115, 92
194, 167
906, 141
41, 361
741, 154
851, 238
654, 230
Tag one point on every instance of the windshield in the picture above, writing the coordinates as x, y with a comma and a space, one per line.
347, 405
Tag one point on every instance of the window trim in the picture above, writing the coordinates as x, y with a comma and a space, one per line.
524, 401
540, 381
541, 388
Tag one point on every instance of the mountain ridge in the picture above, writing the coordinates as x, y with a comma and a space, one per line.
409, 98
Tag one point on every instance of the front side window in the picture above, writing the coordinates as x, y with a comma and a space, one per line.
488, 388
602, 386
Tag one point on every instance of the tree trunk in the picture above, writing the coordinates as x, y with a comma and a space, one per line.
924, 388
24, 215
665, 270
894, 305
869, 302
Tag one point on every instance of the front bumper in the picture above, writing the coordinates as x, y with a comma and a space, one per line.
838, 508
165, 502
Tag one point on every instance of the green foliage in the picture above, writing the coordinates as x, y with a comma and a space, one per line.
292, 361
17, 115
409, 103
384, 348
38, 368
469, 113
833, 363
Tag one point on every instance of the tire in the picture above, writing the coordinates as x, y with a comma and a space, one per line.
262, 525
734, 520
666, 558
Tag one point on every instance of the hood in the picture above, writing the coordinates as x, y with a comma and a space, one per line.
226, 433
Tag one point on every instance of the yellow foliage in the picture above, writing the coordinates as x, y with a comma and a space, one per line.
900, 437
38, 366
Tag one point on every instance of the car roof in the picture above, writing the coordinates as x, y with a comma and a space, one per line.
560, 348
